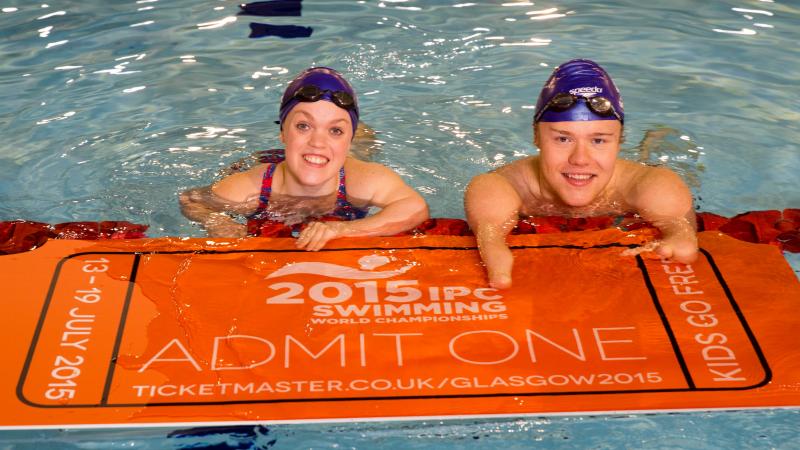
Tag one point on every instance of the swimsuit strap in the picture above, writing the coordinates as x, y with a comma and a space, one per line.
341, 193
266, 186
343, 208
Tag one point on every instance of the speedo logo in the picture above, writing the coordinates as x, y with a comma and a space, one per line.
586, 90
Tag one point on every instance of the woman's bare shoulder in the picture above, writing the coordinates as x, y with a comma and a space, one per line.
241, 186
367, 171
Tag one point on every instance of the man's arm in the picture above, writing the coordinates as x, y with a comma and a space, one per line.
492, 206
402, 208
664, 200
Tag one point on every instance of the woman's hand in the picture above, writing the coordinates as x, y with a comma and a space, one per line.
223, 226
316, 234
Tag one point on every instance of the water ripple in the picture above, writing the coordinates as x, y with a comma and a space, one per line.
444, 84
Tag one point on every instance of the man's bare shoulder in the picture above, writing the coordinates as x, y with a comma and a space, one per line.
522, 175
627, 173
635, 172
636, 180
523, 166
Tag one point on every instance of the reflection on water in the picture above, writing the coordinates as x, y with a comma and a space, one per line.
448, 89
667, 146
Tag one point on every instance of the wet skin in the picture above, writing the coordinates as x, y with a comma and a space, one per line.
317, 138
576, 173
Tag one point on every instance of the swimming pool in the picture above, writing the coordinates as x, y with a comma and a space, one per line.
111, 108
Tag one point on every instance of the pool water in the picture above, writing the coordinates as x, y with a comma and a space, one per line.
769, 429
111, 108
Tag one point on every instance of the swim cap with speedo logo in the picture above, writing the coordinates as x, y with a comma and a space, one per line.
578, 90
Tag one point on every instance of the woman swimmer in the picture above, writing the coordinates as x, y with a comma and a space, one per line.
318, 117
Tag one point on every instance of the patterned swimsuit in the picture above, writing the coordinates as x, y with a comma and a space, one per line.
343, 210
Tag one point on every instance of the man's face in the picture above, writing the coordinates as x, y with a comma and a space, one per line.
577, 159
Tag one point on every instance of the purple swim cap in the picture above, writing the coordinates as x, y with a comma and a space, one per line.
325, 79
583, 79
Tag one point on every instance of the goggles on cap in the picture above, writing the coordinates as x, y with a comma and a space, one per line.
564, 101
311, 93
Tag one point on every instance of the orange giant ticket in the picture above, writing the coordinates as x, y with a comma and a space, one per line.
167, 331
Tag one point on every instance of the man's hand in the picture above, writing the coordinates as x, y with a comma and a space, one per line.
492, 205
682, 249
499, 261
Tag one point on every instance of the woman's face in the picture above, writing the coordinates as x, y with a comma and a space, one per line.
317, 138
577, 159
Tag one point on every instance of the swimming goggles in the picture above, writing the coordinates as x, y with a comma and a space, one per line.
564, 101
311, 93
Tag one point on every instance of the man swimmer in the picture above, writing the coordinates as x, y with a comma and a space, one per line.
319, 117
578, 130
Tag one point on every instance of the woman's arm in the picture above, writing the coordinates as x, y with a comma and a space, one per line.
209, 205
402, 208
